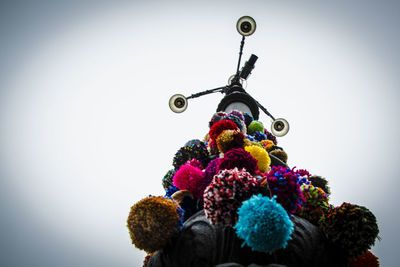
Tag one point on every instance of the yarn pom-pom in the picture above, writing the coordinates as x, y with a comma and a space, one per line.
247, 119
320, 182
259, 136
280, 154
211, 169
255, 126
221, 126
152, 222
263, 224
167, 180
282, 182
195, 150
267, 144
216, 117
229, 139
315, 205
368, 259
173, 189
192, 179
270, 136
351, 227
262, 157
225, 195
237, 113
238, 158
239, 123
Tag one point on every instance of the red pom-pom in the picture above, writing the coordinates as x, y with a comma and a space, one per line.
192, 179
238, 158
219, 127
368, 259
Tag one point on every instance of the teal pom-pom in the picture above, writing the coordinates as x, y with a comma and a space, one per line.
263, 224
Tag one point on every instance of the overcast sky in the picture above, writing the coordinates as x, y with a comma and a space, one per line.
85, 128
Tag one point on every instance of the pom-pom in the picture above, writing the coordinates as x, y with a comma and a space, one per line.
237, 114
197, 150
351, 227
320, 182
247, 119
316, 203
270, 136
263, 224
368, 259
167, 180
259, 136
191, 179
216, 117
152, 222
267, 144
239, 123
262, 157
211, 169
225, 194
280, 154
255, 126
171, 191
229, 139
282, 182
238, 158
219, 127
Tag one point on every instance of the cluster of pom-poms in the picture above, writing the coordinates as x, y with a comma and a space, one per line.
225, 194
228, 174
353, 228
368, 259
263, 224
152, 222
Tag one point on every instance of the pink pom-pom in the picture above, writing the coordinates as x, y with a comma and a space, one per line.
192, 179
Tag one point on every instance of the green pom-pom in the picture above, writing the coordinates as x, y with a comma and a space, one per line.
351, 227
152, 222
167, 180
255, 126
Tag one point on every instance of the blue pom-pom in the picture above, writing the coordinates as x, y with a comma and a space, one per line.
263, 224
171, 191
259, 136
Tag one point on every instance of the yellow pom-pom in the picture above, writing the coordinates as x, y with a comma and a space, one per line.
268, 144
262, 157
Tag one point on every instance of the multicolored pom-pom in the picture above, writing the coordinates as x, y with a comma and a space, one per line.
195, 150
263, 224
320, 182
351, 227
262, 157
225, 194
152, 222
167, 180
316, 203
192, 179
238, 158
282, 182
367, 259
